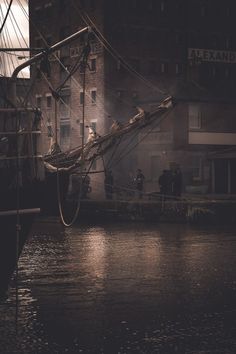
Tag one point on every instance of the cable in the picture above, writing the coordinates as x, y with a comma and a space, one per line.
7, 13
113, 52
150, 130
99, 104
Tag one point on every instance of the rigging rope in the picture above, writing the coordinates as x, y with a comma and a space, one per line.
7, 13
113, 51
84, 65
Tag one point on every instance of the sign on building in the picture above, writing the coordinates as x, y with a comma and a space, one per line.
210, 55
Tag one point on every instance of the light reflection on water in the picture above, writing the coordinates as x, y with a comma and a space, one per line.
127, 288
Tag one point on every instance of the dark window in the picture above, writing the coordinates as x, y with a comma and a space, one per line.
179, 68
93, 96
92, 4
93, 65
93, 126
39, 101
163, 6
164, 68
81, 129
64, 107
94, 165
38, 74
49, 101
81, 98
65, 131
48, 9
203, 10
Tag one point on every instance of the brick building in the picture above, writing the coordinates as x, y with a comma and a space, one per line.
186, 48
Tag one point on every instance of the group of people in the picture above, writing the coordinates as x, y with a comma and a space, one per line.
170, 183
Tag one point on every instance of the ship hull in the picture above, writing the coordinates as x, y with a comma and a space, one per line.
13, 238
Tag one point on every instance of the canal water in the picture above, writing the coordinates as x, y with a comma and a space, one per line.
124, 288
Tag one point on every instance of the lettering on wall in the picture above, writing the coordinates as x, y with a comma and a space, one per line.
209, 55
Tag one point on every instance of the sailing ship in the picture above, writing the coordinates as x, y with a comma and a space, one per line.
26, 175
22, 172
21, 182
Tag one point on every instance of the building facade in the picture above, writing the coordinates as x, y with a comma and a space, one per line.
147, 51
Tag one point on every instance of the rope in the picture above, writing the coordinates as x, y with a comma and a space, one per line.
84, 63
18, 226
149, 131
4, 21
112, 51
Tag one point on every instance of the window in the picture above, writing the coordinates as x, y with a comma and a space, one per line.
194, 117
118, 65
178, 68
92, 4
93, 96
48, 9
94, 126
38, 101
203, 11
164, 68
94, 165
64, 107
38, 74
151, 4
81, 129
162, 6
93, 65
196, 167
64, 131
48, 101
81, 98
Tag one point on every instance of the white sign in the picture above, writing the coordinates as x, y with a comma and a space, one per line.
210, 55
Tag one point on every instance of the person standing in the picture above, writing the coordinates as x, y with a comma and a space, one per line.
163, 184
177, 182
108, 184
139, 182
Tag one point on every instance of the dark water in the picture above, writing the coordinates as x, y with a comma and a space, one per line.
124, 288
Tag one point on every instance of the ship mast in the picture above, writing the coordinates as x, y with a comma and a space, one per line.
36, 58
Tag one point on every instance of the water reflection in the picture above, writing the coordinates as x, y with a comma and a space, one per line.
128, 288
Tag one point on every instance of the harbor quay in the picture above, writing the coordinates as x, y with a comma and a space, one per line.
213, 209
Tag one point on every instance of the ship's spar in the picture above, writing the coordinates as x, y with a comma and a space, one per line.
73, 159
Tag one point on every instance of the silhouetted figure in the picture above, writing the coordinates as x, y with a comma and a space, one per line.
86, 189
108, 184
139, 180
177, 182
163, 183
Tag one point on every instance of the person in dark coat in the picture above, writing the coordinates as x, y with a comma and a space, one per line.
177, 183
139, 180
108, 184
163, 183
